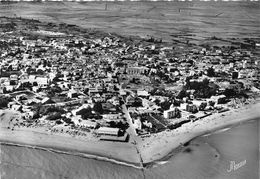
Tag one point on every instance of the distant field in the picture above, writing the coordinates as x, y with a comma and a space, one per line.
159, 19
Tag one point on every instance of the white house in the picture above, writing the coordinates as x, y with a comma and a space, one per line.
183, 106
111, 117
171, 113
143, 93
42, 81
85, 123
137, 124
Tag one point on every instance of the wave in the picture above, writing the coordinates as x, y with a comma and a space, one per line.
216, 132
206, 135
160, 163
90, 156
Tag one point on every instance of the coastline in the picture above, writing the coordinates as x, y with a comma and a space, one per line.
68, 152
165, 143
108, 151
160, 146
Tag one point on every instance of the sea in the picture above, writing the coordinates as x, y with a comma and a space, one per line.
210, 156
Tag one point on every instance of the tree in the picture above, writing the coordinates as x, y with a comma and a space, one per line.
67, 120
40, 72
98, 108
182, 94
235, 75
115, 88
211, 72
56, 79
211, 103
86, 90
202, 106
176, 102
45, 110
35, 83
10, 68
26, 85
157, 102
230, 93
205, 83
4, 102
4, 90
120, 125
53, 90
165, 105
85, 112
53, 116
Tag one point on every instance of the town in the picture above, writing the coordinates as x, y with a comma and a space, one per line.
103, 86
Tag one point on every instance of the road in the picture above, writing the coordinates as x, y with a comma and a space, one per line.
131, 129
132, 132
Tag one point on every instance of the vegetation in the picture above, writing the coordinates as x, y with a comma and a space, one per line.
120, 124
211, 72
54, 90
53, 116
4, 101
46, 110
203, 89
165, 105
98, 108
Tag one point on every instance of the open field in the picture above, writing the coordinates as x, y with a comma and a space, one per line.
160, 19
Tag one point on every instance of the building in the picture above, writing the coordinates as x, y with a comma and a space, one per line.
218, 99
137, 124
72, 94
108, 131
86, 123
14, 79
47, 100
143, 93
42, 82
183, 106
172, 113
136, 70
133, 101
111, 117
191, 108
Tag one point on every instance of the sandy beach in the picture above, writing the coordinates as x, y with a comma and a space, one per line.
41, 138
151, 149
158, 146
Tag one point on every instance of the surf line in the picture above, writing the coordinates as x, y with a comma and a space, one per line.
89, 156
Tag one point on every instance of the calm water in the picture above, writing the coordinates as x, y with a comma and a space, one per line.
210, 156
205, 157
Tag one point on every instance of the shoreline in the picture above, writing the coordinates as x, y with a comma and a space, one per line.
158, 152
178, 149
100, 150
125, 153
68, 152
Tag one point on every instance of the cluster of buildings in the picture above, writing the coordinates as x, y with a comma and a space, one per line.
91, 78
